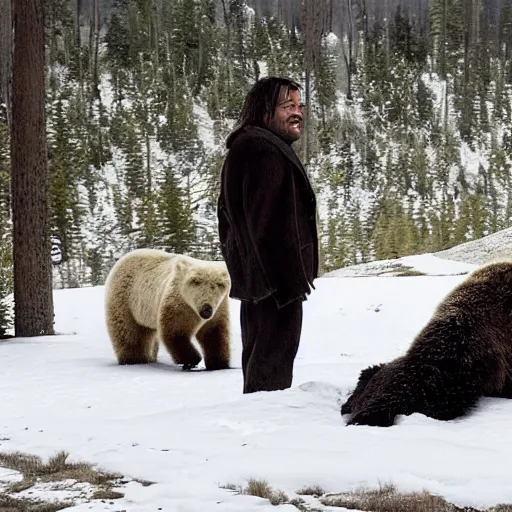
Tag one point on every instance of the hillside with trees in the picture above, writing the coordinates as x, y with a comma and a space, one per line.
407, 141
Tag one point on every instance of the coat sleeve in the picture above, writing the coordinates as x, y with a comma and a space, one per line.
264, 185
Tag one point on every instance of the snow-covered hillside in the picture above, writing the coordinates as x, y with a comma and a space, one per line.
463, 259
495, 246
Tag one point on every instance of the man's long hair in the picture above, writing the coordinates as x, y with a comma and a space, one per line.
262, 99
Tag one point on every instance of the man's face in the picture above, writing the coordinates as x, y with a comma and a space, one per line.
287, 119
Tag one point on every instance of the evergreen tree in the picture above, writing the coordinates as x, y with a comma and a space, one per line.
6, 262
407, 134
176, 231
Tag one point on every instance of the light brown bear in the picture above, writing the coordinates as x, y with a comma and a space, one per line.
152, 296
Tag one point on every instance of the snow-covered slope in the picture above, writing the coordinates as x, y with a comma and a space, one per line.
486, 249
460, 259
193, 432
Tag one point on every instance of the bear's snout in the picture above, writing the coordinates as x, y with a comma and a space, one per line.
206, 311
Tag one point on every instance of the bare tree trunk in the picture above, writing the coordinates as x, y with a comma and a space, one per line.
200, 59
309, 54
443, 63
77, 23
349, 57
468, 107
33, 310
156, 16
364, 17
6, 55
96, 75
307, 121
387, 15
227, 21
446, 109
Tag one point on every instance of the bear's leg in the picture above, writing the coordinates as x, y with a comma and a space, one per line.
154, 351
175, 330
452, 404
460, 383
133, 343
214, 340
364, 378
504, 391
453, 395
181, 349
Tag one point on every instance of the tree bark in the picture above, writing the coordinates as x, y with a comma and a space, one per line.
6, 55
33, 310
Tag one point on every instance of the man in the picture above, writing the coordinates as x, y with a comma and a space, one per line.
267, 231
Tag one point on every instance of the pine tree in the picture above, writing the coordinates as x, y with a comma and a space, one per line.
6, 261
64, 170
176, 231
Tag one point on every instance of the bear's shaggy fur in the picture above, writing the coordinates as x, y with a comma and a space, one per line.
464, 352
151, 295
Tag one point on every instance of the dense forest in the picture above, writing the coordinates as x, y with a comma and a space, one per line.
408, 135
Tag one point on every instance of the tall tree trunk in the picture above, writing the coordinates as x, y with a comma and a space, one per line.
387, 13
309, 54
78, 11
444, 39
348, 55
227, 22
33, 309
6, 55
95, 73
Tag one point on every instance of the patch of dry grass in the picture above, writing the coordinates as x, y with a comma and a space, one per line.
106, 494
55, 469
260, 488
384, 499
387, 499
263, 489
11, 504
409, 273
312, 490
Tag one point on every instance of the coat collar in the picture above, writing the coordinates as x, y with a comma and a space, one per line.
282, 146
277, 141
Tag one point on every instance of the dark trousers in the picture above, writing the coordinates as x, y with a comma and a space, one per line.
270, 340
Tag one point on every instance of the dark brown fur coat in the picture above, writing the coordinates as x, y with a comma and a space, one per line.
267, 219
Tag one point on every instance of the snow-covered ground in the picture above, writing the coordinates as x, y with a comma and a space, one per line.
193, 432
426, 264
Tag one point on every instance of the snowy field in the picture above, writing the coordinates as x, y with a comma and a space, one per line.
193, 432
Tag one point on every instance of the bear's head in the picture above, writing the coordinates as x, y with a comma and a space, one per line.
205, 287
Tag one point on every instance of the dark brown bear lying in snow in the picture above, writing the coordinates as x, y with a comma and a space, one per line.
464, 352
